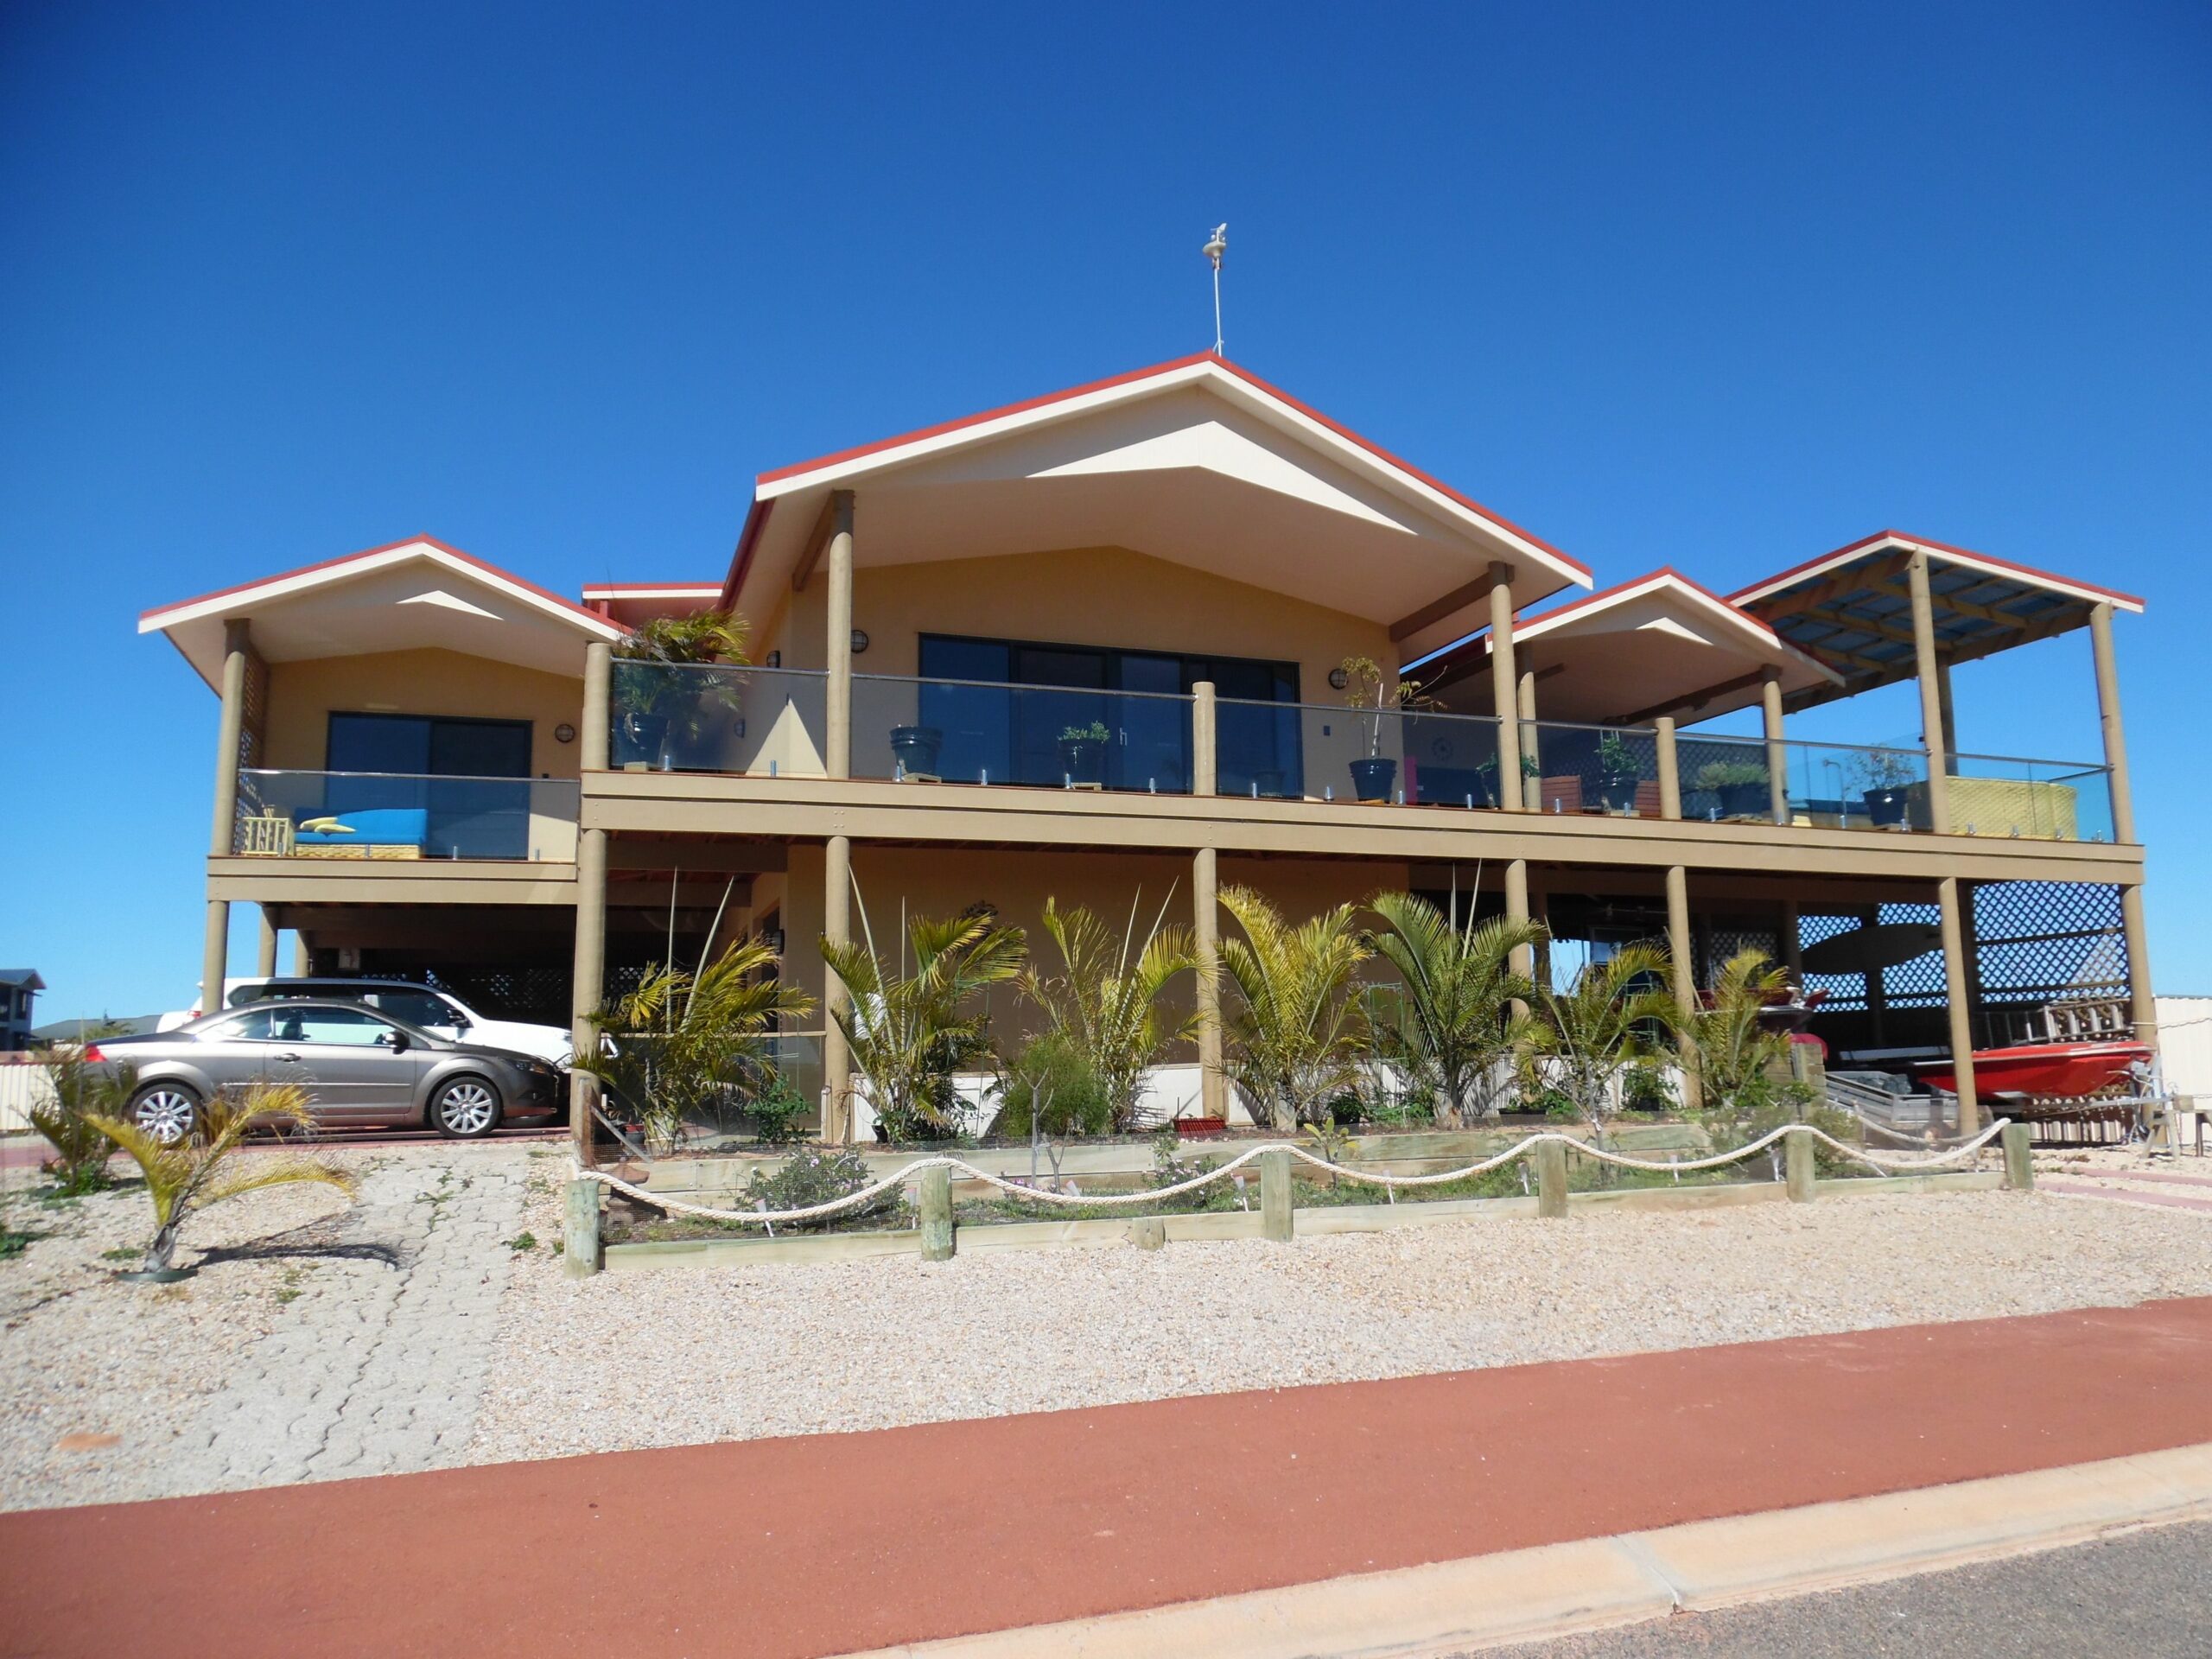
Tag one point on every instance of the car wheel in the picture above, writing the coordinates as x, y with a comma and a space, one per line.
465, 1108
168, 1112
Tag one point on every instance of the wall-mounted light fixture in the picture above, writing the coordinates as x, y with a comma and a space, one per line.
564, 732
1338, 679
859, 640
776, 658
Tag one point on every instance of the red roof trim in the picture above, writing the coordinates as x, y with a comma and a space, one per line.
484, 565
748, 543
1179, 364
923, 434
1776, 582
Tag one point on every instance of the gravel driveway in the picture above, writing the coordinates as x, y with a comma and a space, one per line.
406, 1332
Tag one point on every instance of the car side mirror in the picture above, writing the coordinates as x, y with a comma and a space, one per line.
394, 1041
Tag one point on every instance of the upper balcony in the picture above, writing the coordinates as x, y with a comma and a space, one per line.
946, 738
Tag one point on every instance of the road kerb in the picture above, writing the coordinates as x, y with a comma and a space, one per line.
1449, 1607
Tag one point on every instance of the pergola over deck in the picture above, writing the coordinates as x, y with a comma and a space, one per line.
1852, 610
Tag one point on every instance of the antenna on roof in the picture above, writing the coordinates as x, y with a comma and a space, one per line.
1216, 244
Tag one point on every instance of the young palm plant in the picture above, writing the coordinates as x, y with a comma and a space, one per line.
82, 1093
682, 1040
1106, 1005
187, 1177
909, 1033
1615, 1014
1460, 1011
1294, 1042
1735, 1057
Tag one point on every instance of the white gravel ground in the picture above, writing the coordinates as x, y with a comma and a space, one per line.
690, 1355
526, 1363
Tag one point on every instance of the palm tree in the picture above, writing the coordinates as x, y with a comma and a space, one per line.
907, 1032
1294, 1042
680, 1039
1612, 1016
1461, 1008
1735, 1057
185, 1179
1105, 1006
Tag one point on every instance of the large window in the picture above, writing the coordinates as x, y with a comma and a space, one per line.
438, 778
1014, 735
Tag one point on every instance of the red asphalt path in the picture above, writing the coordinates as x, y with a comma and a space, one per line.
822, 1544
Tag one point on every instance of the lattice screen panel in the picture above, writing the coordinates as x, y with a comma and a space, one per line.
2042, 941
1722, 943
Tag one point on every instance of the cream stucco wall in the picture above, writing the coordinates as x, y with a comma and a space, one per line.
303, 696
1106, 596
942, 882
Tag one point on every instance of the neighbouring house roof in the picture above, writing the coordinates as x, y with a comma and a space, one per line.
632, 602
1659, 643
1851, 609
73, 1031
1197, 460
21, 979
412, 593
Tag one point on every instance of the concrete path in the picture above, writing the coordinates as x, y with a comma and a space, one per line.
829, 1544
376, 1376
2147, 1595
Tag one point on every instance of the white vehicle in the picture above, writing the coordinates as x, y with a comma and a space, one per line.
440, 1013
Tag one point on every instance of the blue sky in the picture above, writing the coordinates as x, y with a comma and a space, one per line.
1721, 290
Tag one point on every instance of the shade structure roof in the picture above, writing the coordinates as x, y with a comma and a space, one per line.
1198, 461
1851, 609
410, 595
1657, 644
631, 603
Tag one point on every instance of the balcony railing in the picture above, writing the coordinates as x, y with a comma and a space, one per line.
369, 815
1046, 736
774, 722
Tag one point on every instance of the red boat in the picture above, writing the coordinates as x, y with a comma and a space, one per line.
2070, 1070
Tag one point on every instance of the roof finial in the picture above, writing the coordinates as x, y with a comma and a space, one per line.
1216, 244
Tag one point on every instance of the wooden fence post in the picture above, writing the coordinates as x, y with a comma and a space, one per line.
1275, 1196
937, 1214
1797, 1165
580, 1230
1551, 1180
1149, 1232
2019, 1162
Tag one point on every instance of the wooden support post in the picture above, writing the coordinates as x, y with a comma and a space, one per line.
937, 1214
1276, 1214
264, 961
1797, 1165
588, 968
1523, 959
1682, 961
2019, 1161
1504, 686
1551, 1180
303, 956
1532, 787
1670, 770
1790, 934
1205, 740
222, 839
1777, 755
1955, 1002
1946, 710
580, 1256
836, 1053
1148, 1233
837, 714
2143, 1004
1205, 934
1928, 667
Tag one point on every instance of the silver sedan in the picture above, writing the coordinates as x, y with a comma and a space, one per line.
358, 1066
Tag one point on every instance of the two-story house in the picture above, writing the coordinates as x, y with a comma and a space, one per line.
1106, 644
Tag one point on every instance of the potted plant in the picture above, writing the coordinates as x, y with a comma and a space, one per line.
1370, 692
1488, 769
1616, 774
1883, 777
1739, 786
1083, 752
662, 716
915, 749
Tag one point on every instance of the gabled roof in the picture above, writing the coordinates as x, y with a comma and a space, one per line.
1657, 644
1851, 609
416, 592
1113, 461
21, 979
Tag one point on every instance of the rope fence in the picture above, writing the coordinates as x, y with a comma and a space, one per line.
1888, 1163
